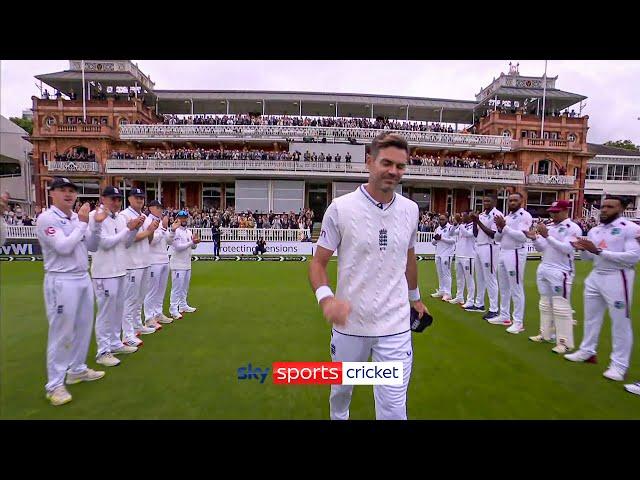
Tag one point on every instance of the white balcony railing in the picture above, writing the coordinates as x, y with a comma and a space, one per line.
71, 166
331, 134
209, 166
227, 234
551, 179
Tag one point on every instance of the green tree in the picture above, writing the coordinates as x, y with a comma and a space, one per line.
24, 123
626, 144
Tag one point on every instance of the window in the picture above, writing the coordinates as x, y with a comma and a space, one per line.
572, 137
506, 133
211, 195
595, 172
230, 194
422, 196
525, 133
576, 172
50, 121
623, 172
10, 170
543, 167
45, 158
150, 191
538, 202
123, 121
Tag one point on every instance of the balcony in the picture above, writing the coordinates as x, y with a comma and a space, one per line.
69, 167
545, 144
452, 141
358, 171
76, 131
568, 180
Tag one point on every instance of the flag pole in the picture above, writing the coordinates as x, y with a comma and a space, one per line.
544, 97
84, 97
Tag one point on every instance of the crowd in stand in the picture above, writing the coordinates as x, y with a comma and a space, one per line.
264, 155
298, 121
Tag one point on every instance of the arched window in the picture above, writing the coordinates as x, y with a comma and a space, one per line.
545, 166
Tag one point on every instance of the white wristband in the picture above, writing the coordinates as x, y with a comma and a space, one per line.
414, 295
323, 292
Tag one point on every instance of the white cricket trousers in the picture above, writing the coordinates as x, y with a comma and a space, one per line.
157, 287
134, 292
179, 289
390, 400
443, 267
464, 276
511, 265
109, 293
613, 291
69, 306
486, 275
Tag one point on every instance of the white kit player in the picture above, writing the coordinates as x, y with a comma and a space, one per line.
465, 259
374, 232
614, 249
65, 239
159, 268
180, 264
512, 261
137, 260
108, 271
445, 243
554, 276
487, 250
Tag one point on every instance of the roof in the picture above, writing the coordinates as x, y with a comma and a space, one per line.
599, 149
538, 92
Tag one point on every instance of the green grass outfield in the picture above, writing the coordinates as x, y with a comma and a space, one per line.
464, 368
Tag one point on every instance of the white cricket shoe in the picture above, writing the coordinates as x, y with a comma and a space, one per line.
500, 321
537, 339
59, 396
456, 300
175, 315
108, 360
87, 376
153, 323
164, 319
125, 349
188, 309
516, 328
561, 349
633, 388
446, 298
133, 342
614, 373
145, 331
436, 295
581, 356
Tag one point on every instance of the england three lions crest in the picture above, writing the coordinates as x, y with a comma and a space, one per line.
382, 239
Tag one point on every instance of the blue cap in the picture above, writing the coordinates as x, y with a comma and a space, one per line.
136, 192
183, 213
110, 191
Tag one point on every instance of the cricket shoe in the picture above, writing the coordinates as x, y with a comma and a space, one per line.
473, 308
175, 315
581, 356
145, 331
446, 298
490, 316
500, 321
561, 349
59, 396
108, 360
124, 349
188, 309
614, 373
633, 388
539, 339
87, 376
133, 342
516, 328
153, 324
164, 319
457, 300
436, 295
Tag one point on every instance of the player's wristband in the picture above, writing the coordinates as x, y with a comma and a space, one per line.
414, 295
323, 292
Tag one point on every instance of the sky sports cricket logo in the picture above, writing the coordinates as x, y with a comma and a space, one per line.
326, 373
